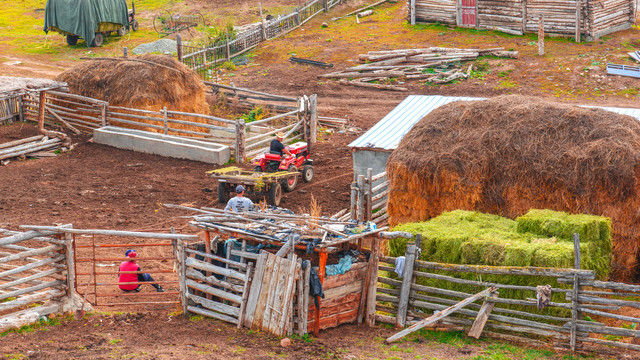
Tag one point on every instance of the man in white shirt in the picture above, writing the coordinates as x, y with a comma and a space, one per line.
239, 203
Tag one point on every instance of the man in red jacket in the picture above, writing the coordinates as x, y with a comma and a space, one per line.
130, 265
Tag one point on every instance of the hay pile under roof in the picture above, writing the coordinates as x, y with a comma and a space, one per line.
139, 85
510, 154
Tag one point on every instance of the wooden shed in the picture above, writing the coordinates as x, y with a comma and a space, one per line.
590, 19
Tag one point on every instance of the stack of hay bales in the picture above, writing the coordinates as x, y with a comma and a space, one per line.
539, 238
511, 154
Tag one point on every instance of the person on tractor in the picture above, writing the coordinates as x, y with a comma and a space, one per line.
239, 203
130, 265
277, 147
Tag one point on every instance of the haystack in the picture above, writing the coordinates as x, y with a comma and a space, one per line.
510, 154
139, 85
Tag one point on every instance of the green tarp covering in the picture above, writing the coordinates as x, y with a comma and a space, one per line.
81, 17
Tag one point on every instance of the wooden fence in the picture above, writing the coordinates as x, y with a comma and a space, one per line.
369, 197
204, 60
10, 108
296, 117
34, 268
428, 287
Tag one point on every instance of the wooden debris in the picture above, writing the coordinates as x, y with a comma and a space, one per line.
39, 146
435, 65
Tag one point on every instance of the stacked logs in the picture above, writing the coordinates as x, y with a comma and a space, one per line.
43, 145
435, 65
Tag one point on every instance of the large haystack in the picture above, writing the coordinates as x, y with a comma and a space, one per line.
510, 154
139, 85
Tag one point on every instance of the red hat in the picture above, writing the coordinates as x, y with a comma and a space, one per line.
130, 253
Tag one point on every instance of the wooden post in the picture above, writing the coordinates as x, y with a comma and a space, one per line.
369, 192
164, 119
43, 98
403, 304
125, 52
325, 5
483, 316
313, 119
354, 196
179, 46
360, 204
541, 35
226, 46
241, 136
578, 13
183, 277
71, 275
21, 107
305, 295
103, 114
373, 282
413, 12
322, 271
524, 16
575, 315
264, 27
414, 277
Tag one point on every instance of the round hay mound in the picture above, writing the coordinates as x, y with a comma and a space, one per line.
510, 154
139, 85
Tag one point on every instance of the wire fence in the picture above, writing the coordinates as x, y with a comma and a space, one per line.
205, 59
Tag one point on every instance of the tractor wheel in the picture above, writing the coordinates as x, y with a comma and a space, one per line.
122, 31
98, 40
134, 25
290, 184
223, 195
275, 194
257, 169
307, 173
72, 40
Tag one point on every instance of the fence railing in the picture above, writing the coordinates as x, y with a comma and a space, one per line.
10, 108
514, 311
35, 268
296, 117
369, 195
204, 60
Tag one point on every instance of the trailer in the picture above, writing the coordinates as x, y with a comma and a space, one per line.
90, 20
258, 185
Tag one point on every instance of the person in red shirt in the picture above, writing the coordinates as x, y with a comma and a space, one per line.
130, 265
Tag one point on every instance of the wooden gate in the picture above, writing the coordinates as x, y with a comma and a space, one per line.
468, 12
212, 285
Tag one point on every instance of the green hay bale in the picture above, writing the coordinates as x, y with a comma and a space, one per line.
540, 238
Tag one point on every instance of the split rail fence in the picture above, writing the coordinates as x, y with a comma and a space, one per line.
204, 60
369, 197
36, 268
296, 117
503, 312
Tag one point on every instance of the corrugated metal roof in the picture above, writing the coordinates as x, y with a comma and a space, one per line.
388, 132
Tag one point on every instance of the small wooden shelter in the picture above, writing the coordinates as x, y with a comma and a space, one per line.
589, 18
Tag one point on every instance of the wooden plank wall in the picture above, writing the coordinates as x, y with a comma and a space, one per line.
341, 298
443, 11
610, 13
500, 13
559, 16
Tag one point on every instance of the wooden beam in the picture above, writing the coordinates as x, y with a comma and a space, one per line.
483, 316
439, 315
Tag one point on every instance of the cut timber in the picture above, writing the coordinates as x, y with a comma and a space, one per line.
439, 315
361, 75
373, 86
483, 316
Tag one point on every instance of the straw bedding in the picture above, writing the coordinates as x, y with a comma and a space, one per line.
510, 154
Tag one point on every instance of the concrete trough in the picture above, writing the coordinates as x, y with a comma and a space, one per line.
163, 145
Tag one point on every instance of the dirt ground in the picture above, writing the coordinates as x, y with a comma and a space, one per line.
96, 186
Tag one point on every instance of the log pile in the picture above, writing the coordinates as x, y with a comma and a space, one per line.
44, 145
435, 65
275, 226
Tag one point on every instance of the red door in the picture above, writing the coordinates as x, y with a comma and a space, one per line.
468, 10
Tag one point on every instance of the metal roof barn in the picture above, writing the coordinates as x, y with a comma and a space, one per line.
373, 148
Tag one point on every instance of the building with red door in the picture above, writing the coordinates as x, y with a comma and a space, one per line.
587, 19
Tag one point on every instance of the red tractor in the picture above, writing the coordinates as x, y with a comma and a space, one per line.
299, 161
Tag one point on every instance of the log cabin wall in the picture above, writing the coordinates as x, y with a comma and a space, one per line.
597, 17
442, 11
500, 14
